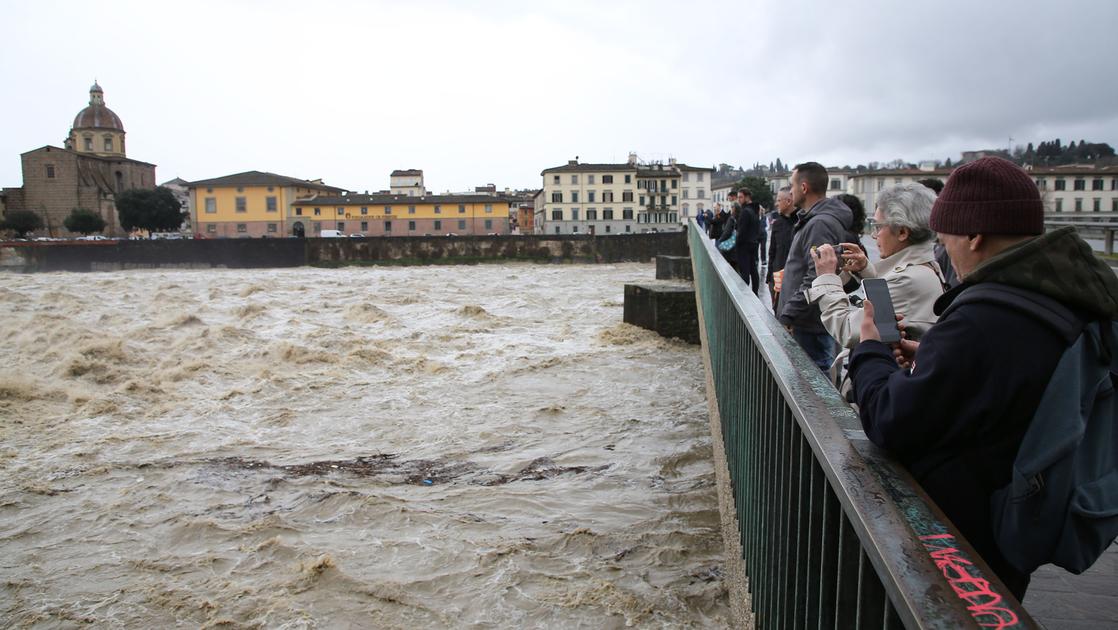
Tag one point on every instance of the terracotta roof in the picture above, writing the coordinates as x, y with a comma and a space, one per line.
259, 178
579, 168
403, 200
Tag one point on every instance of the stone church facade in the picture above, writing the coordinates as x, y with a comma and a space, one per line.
87, 172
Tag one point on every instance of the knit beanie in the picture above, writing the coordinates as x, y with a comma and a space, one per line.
989, 196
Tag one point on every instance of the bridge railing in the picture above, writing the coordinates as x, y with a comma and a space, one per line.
834, 534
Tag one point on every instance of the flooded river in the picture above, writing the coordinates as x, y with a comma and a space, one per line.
482, 446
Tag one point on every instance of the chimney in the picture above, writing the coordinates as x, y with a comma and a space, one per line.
572, 162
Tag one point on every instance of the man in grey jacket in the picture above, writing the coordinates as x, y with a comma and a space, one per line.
822, 221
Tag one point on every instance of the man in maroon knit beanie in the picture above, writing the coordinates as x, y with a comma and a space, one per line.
956, 408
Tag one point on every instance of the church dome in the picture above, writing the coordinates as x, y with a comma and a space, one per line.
96, 115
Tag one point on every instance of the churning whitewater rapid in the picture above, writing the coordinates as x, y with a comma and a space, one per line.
483, 446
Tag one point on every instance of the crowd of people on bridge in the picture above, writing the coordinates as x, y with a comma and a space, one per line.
988, 305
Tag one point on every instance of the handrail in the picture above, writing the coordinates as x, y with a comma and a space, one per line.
833, 532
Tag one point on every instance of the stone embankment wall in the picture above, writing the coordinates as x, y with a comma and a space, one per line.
328, 252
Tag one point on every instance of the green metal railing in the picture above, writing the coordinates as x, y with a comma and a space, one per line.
834, 533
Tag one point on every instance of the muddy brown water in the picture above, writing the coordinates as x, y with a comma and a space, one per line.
433, 447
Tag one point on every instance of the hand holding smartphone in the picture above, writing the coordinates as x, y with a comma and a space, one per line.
884, 317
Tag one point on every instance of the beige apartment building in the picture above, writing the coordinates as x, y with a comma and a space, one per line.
629, 197
1085, 189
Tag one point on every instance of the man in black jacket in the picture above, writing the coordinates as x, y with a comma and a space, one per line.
749, 235
956, 419
780, 237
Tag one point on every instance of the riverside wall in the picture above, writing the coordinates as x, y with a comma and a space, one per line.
39, 256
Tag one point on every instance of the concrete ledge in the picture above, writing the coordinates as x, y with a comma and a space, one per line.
668, 309
673, 268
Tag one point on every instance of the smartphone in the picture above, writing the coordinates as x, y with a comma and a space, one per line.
877, 291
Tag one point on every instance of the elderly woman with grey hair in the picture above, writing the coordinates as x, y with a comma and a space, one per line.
908, 265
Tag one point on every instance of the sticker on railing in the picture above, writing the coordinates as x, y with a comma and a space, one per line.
983, 603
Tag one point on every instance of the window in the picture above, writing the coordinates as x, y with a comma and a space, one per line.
271, 188
574, 179
461, 224
641, 202
607, 229
574, 196
589, 179
836, 183
387, 226
242, 228
675, 184
590, 196
438, 209
341, 226
272, 228
411, 226
574, 214
1078, 204
664, 200
686, 193
242, 205
607, 214
211, 206
1080, 184
50, 171
438, 225
880, 183
627, 215
489, 224
364, 226
555, 180
556, 229
388, 209
675, 200
270, 204
627, 196
461, 208
1096, 205
686, 177
89, 147
1096, 184
556, 215
607, 196
1114, 204
109, 146
1059, 205
556, 197
628, 179
699, 176
1061, 184
628, 228
211, 228
298, 212
702, 193
364, 210
1114, 183
591, 214
411, 209
318, 212
673, 217
317, 226
341, 212
489, 207
1042, 183
607, 179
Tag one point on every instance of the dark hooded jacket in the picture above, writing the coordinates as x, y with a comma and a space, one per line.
957, 420
827, 222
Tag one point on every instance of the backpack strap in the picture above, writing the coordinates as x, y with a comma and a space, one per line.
1061, 319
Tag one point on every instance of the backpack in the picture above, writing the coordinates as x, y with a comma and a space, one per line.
1061, 504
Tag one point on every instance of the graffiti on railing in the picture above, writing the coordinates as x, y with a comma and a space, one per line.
983, 602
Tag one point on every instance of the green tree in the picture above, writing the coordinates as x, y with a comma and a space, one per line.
152, 210
84, 221
21, 222
762, 194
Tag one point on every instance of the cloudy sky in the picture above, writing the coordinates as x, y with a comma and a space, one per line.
480, 92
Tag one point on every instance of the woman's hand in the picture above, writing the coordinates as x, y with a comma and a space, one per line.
853, 259
825, 259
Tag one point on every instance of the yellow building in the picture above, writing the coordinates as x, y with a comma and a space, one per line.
250, 204
402, 215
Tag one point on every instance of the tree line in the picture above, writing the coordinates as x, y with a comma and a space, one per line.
154, 210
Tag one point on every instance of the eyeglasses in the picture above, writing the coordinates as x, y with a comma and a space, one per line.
876, 227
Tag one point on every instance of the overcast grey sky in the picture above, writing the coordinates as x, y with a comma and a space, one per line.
479, 92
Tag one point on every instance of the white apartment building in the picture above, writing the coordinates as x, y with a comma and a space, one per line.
695, 191
407, 182
1077, 188
629, 197
867, 184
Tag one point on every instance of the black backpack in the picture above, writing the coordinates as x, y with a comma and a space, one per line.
1061, 505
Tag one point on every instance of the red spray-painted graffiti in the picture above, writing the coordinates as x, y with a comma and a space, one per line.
983, 603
